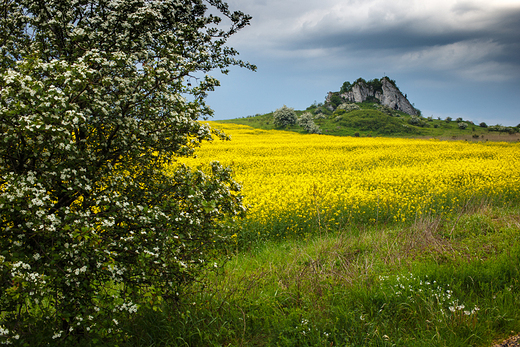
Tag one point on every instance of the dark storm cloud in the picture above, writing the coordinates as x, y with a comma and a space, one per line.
500, 27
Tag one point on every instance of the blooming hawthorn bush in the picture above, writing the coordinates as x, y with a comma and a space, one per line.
306, 121
284, 116
96, 102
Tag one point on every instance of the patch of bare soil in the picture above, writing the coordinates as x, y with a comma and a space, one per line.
513, 341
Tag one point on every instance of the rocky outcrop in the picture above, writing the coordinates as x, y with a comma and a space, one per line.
387, 94
394, 99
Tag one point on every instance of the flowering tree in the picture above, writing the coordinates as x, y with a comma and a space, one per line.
96, 219
285, 116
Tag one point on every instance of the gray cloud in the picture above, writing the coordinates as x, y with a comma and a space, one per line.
441, 30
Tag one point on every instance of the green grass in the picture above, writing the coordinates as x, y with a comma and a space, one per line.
370, 121
439, 281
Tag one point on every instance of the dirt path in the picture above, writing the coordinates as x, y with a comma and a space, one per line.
513, 341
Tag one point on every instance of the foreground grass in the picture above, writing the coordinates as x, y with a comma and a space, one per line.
439, 281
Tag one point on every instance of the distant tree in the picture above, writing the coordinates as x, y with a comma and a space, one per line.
285, 116
335, 100
483, 125
346, 87
448, 119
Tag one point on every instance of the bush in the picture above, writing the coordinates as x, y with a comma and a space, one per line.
335, 100
483, 125
306, 121
284, 117
414, 120
459, 120
94, 229
448, 119
339, 112
462, 125
348, 107
387, 110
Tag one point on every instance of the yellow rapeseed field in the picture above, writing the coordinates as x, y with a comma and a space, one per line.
295, 182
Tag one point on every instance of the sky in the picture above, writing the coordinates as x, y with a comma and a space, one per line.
451, 58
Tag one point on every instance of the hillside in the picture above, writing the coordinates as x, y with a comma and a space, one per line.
382, 111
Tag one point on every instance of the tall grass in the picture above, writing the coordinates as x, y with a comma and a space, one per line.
449, 280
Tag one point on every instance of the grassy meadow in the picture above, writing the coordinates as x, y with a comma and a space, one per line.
355, 241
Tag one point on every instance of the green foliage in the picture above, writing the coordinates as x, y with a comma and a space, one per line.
348, 107
285, 116
417, 121
346, 87
414, 120
335, 100
306, 121
448, 119
502, 129
483, 125
387, 110
371, 120
359, 286
462, 125
376, 85
93, 228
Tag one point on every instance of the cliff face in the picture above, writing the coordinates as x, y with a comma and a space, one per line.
389, 95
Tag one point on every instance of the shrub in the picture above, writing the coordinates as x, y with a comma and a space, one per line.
306, 121
335, 100
448, 119
339, 112
459, 120
483, 125
414, 120
348, 107
284, 117
462, 125
385, 109
93, 229
418, 121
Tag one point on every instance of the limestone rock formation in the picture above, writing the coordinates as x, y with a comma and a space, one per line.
386, 92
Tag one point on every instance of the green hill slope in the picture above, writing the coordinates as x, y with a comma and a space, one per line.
373, 119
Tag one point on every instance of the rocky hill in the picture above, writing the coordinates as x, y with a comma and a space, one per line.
383, 91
